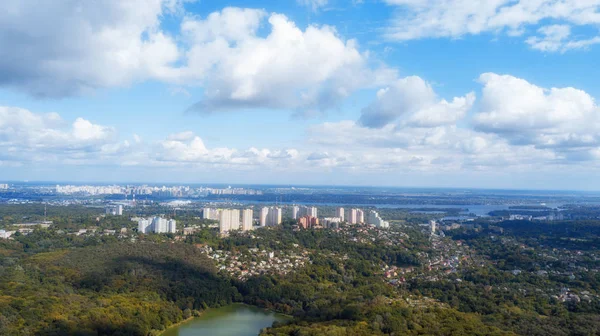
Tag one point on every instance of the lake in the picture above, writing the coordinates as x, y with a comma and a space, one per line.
232, 320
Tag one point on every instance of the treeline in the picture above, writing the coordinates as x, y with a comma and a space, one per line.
57, 284
380, 317
11, 213
110, 289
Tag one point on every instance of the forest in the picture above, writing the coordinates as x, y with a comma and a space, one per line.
52, 283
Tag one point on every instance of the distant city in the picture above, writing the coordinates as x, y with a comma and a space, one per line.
23, 191
172, 191
245, 208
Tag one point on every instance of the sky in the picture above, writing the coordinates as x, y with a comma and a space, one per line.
413, 93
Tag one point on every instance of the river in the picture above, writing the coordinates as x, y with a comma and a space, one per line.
232, 320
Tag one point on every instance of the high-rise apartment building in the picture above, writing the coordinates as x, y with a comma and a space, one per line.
373, 218
172, 226
353, 216
274, 217
144, 226
360, 216
331, 222
224, 221
295, 212
157, 225
307, 211
206, 213
229, 220
247, 221
264, 213
114, 210
160, 225
307, 222
210, 213
340, 213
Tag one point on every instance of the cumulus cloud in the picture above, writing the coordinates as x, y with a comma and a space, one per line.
443, 148
22, 127
513, 116
509, 102
26, 136
565, 121
417, 19
414, 101
515, 124
350, 134
346, 146
289, 68
94, 44
187, 148
99, 44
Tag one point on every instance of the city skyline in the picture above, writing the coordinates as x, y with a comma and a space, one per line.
327, 92
224, 185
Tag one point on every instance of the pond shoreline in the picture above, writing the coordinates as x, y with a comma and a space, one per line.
178, 324
234, 319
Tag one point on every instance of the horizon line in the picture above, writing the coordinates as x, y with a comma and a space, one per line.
296, 185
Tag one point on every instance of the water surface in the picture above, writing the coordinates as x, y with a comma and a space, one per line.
232, 320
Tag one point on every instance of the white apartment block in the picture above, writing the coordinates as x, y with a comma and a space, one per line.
264, 213
307, 211
274, 217
340, 213
210, 213
157, 225
229, 220
373, 218
247, 220
144, 226
172, 226
160, 225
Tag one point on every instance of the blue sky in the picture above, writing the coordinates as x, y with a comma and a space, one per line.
499, 94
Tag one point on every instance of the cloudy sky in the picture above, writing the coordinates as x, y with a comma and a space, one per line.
433, 93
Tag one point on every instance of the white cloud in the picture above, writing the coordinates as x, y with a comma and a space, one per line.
581, 44
565, 119
416, 19
27, 136
290, 68
93, 44
558, 38
553, 38
314, 5
516, 124
444, 148
99, 44
39, 139
230, 24
414, 102
186, 148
